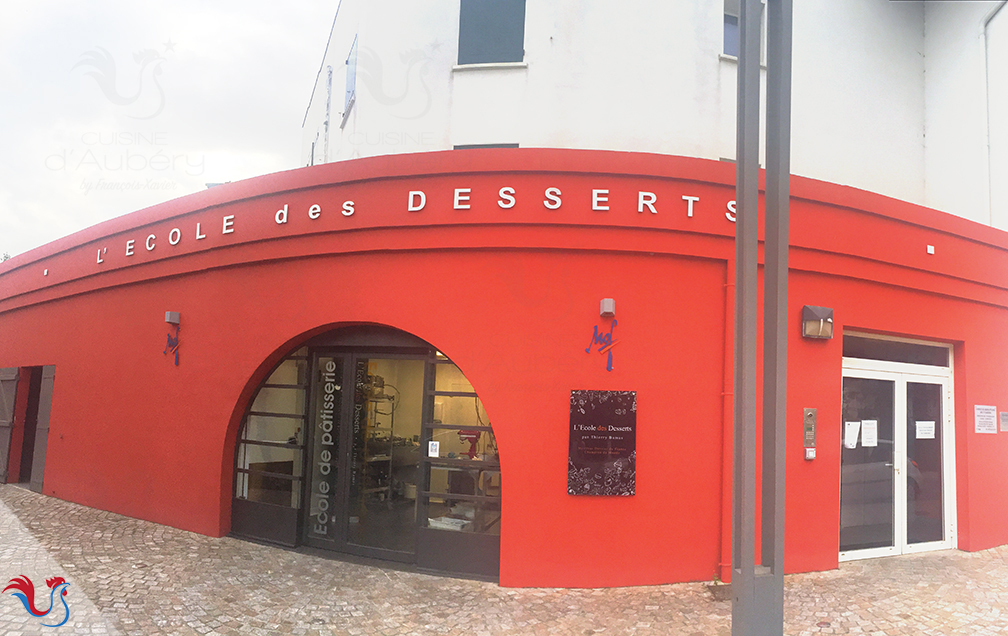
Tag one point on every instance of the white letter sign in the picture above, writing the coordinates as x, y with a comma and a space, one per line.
417, 200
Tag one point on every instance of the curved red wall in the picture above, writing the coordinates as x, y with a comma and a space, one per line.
511, 294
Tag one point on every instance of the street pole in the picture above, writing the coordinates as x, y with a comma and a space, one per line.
758, 590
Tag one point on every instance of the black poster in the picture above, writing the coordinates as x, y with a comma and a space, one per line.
603, 443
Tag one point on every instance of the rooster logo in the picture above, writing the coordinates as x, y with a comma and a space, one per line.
24, 589
104, 74
413, 70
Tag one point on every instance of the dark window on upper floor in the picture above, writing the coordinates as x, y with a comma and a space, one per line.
731, 35
491, 31
732, 29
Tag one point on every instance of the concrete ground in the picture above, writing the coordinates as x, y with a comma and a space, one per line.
134, 577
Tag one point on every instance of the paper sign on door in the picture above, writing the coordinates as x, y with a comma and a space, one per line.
851, 430
869, 433
925, 430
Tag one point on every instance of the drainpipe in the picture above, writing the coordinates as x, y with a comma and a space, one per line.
990, 168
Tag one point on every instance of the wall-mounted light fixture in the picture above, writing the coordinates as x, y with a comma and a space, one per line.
817, 322
172, 317
607, 309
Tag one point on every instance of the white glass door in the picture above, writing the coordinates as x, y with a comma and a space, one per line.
897, 460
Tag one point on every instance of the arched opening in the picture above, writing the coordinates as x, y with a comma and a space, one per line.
369, 441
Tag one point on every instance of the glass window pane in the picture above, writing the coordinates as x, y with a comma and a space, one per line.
275, 471
386, 422
924, 463
273, 459
483, 517
731, 35
289, 372
867, 511
466, 444
894, 351
280, 400
273, 490
453, 410
267, 428
457, 480
448, 377
491, 31
351, 75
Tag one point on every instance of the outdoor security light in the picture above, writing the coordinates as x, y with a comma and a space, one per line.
817, 322
172, 317
607, 308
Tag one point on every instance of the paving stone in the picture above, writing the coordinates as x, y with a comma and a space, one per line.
135, 577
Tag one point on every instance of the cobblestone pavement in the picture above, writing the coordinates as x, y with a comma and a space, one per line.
135, 577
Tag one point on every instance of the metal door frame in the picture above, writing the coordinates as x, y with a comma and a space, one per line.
901, 373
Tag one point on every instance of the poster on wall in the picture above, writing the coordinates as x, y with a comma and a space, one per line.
985, 419
602, 457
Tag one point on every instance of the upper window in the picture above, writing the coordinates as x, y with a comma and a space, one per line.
351, 79
895, 351
491, 31
732, 33
731, 28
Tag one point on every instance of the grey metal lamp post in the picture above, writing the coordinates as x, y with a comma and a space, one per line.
758, 589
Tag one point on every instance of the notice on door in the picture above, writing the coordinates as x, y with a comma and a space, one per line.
602, 457
925, 430
869, 433
850, 434
985, 419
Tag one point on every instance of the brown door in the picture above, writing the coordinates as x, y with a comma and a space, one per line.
8, 393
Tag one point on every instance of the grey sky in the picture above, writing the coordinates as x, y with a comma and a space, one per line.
203, 92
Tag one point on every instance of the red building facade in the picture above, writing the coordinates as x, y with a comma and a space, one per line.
497, 260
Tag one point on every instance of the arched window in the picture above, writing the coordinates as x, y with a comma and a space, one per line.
369, 441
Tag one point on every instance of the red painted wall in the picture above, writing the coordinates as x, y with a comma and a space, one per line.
511, 295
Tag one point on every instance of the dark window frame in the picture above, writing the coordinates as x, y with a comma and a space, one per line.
491, 32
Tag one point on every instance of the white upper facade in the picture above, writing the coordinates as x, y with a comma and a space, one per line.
907, 99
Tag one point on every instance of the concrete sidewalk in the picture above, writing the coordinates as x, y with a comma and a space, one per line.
135, 577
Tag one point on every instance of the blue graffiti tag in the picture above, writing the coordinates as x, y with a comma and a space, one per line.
173, 344
604, 341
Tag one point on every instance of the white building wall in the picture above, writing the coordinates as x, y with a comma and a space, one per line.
956, 170
633, 75
406, 51
887, 96
858, 95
